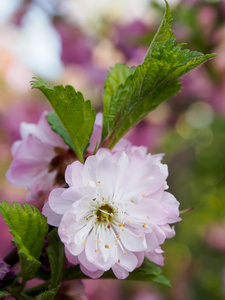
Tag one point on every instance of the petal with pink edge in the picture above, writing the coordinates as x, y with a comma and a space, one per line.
53, 218
86, 263
71, 258
156, 256
120, 272
57, 203
127, 260
73, 174
93, 275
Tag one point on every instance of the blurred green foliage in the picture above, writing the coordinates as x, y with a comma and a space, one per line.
196, 162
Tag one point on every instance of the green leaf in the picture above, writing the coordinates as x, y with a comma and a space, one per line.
147, 272
75, 113
143, 98
156, 80
4, 294
115, 90
28, 227
163, 34
55, 251
161, 279
58, 127
49, 295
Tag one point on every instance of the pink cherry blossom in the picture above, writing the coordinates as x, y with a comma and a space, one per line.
41, 157
115, 211
33, 165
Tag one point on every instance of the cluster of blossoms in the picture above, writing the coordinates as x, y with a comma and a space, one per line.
111, 211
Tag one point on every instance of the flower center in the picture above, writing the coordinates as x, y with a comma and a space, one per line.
105, 214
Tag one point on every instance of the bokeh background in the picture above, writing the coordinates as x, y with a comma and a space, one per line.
75, 42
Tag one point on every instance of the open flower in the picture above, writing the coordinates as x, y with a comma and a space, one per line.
115, 211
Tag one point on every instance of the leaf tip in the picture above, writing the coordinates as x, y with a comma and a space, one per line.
39, 83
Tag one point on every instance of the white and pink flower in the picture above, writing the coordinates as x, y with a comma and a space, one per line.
115, 211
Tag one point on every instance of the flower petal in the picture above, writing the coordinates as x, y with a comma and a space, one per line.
57, 203
127, 260
85, 262
53, 218
156, 256
120, 272
73, 174
73, 259
93, 275
133, 240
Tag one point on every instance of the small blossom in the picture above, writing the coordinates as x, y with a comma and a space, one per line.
37, 158
115, 211
41, 157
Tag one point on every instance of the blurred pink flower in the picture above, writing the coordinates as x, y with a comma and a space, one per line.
34, 164
127, 40
115, 211
147, 295
76, 47
146, 134
215, 236
198, 84
98, 289
206, 18
20, 111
